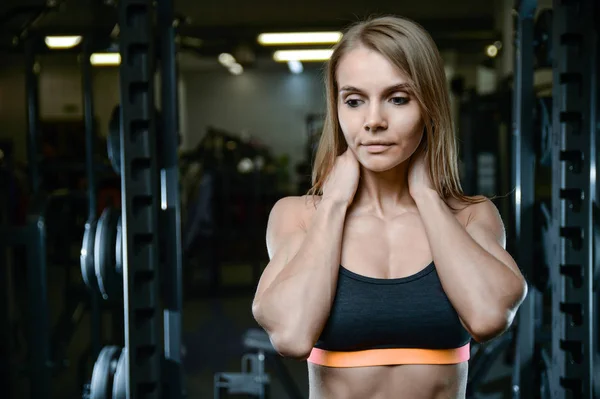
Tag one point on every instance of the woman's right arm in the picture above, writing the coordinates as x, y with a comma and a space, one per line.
296, 290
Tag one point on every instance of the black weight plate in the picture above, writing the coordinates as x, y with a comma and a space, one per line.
86, 256
109, 282
119, 249
113, 140
103, 373
119, 390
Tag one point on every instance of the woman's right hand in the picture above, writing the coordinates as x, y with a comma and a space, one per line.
342, 182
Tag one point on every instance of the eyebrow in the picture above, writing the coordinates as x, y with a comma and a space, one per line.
393, 88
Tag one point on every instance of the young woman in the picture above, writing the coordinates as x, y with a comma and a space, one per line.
382, 275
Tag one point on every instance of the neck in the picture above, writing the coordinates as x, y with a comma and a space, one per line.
383, 192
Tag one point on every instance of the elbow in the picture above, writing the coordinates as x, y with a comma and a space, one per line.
491, 327
291, 347
492, 324
285, 341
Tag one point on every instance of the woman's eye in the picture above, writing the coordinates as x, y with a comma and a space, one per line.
399, 100
352, 102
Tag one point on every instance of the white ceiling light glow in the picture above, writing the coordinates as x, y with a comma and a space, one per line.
295, 66
302, 55
236, 69
273, 39
62, 42
105, 59
226, 60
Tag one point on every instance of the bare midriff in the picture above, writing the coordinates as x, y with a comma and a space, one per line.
413, 381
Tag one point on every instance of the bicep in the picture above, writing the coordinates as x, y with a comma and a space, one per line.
285, 235
487, 230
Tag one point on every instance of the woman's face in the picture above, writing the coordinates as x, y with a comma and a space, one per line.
379, 117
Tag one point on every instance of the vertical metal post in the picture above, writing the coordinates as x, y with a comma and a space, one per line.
40, 371
524, 183
140, 201
171, 228
5, 280
33, 113
573, 191
90, 141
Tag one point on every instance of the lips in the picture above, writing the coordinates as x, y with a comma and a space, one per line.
370, 143
375, 148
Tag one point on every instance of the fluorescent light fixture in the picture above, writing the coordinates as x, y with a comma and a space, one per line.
302, 55
236, 69
271, 39
295, 66
104, 59
226, 60
62, 42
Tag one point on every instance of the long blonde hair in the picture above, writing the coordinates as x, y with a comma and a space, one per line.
412, 50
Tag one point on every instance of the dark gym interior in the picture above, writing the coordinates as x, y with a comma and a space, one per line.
234, 131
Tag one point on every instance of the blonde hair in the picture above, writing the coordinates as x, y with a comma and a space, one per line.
412, 50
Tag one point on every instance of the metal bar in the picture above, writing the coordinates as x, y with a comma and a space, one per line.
40, 371
140, 201
524, 183
90, 134
5, 347
573, 187
33, 115
90, 141
171, 228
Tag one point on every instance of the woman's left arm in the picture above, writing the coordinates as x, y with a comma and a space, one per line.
481, 280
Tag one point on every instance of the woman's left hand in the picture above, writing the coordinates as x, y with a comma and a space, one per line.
418, 174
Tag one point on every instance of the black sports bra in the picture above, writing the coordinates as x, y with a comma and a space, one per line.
408, 312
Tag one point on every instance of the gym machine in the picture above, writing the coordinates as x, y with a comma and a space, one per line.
45, 345
138, 248
575, 366
252, 379
559, 353
231, 185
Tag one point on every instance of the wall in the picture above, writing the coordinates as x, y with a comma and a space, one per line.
271, 106
60, 96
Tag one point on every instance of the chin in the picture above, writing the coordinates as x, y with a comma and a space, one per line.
382, 164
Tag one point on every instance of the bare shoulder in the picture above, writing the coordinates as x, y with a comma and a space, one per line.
290, 215
483, 213
293, 210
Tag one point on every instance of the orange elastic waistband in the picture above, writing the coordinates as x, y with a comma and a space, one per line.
388, 357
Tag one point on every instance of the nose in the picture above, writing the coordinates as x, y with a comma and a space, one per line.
375, 119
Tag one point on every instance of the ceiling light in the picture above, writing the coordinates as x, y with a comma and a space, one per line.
236, 69
302, 55
226, 59
295, 66
491, 51
270, 39
62, 42
104, 59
